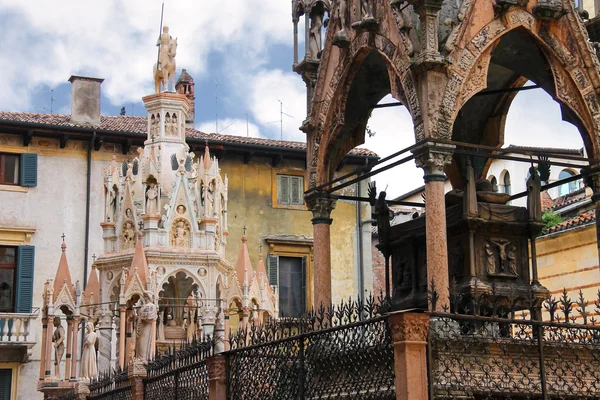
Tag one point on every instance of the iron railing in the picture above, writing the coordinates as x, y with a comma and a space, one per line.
493, 351
179, 374
113, 385
342, 352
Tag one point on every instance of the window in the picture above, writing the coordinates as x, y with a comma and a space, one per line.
507, 188
9, 169
5, 383
8, 278
290, 190
289, 274
16, 279
18, 169
569, 187
494, 183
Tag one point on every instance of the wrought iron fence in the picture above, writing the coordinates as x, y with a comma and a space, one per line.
112, 385
493, 351
179, 374
342, 352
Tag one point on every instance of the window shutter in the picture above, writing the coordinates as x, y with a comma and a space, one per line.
304, 278
26, 256
283, 189
5, 383
273, 271
296, 189
29, 169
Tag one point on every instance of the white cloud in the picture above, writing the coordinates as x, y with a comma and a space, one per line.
44, 43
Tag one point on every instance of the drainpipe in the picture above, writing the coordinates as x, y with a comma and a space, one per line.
87, 209
361, 266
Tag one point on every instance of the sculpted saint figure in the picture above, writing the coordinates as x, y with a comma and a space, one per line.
382, 211
168, 125
89, 368
147, 314
341, 38
180, 234
128, 235
190, 305
151, 203
59, 345
314, 44
534, 187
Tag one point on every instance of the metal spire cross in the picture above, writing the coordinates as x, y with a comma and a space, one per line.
94, 257
244, 230
63, 237
141, 225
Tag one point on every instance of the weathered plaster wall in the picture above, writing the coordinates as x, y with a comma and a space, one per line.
569, 259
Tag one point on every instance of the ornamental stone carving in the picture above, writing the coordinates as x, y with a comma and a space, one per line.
216, 367
434, 159
321, 206
409, 327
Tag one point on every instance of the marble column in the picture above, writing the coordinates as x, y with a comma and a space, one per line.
43, 354
69, 347
104, 340
49, 348
76, 321
245, 317
409, 334
227, 328
217, 388
428, 11
122, 336
433, 158
295, 21
321, 206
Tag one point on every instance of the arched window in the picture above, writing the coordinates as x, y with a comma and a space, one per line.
507, 188
494, 182
569, 187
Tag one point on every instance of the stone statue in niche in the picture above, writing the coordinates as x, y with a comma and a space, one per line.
367, 8
501, 257
534, 187
89, 368
168, 125
161, 328
129, 173
58, 338
314, 40
409, 37
341, 38
152, 200
180, 236
147, 314
128, 235
210, 199
190, 305
174, 125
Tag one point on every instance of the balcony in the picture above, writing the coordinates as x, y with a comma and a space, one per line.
15, 339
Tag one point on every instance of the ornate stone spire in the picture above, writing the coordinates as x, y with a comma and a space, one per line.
139, 264
243, 266
63, 274
261, 271
91, 294
207, 162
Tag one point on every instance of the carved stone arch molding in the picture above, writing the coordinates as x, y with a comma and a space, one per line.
565, 45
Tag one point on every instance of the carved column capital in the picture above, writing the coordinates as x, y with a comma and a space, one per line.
216, 367
321, 206
433, 158
591, 177
409, 327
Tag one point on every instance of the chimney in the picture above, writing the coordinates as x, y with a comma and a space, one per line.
85, 100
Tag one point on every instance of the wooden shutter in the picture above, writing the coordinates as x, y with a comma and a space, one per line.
283, 189
273, 271
29, 164
5, 383
304, 278
24, 297
296, 190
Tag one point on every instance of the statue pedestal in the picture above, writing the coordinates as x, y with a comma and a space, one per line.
151, 233
109, 235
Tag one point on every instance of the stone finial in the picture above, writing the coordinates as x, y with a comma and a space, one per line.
63, 273
243, 266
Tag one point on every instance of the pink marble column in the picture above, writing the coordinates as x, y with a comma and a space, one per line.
74, 349
321, 207
409, 333
69, 347
49, 348
433, 158
43, 354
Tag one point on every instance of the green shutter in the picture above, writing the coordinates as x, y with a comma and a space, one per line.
5, 383
283, 189
296, 190
273, 271
29, 169
24, 298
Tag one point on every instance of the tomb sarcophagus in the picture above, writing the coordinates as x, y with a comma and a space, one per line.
488, 253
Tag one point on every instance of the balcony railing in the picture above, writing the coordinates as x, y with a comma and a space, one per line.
14, 328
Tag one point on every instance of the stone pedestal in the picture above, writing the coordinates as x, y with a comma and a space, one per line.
151, 234
137, 372
217, 387
409, 333
109, 235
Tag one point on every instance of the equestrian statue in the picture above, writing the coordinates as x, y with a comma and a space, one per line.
164, 69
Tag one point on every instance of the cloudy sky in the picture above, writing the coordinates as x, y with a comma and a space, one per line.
239, 52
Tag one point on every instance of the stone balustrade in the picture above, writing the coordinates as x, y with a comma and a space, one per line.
14, 328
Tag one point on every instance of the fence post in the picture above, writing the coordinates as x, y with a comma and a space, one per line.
409, 333
217, 384
136, 372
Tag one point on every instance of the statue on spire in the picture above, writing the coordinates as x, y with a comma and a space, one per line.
164, 69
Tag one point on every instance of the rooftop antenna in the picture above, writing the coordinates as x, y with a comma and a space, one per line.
216, 106
162, 10
51, 100
281, 114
